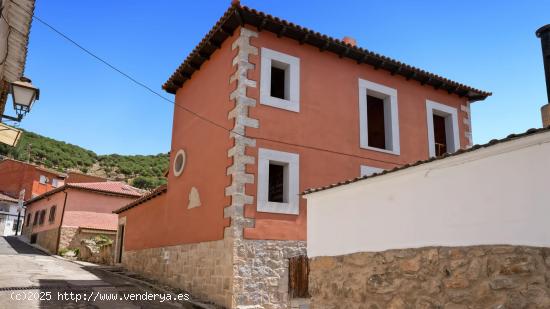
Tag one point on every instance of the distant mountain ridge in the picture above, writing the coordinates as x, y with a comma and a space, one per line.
142, 171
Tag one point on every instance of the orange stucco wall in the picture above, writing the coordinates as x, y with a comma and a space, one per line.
146, 225
206, 93
16, 176
329, 119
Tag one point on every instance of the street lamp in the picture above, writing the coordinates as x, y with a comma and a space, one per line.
23, 94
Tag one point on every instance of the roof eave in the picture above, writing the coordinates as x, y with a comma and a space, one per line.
238, 15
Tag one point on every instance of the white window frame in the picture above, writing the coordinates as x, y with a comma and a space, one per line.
451, 125
43, 179
369, 170
292, 181
292, 80
391, 118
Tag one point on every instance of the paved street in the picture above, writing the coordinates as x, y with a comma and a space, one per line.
32, 279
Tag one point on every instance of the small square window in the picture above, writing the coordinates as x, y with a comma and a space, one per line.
378, 117
443, 135
55, 182
43, 179
280, 80
278, 182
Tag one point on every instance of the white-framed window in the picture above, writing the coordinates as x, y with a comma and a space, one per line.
378, 117
43, 179
55, 182
443, 135
278, 182
280, 80
369, 170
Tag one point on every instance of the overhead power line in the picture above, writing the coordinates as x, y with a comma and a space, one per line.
156, 93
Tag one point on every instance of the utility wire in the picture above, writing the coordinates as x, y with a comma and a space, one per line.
135, 81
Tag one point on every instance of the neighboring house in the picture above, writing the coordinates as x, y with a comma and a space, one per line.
77, 177
61, 218
474, 224
15, 27
301, 110
16, 176
9, 215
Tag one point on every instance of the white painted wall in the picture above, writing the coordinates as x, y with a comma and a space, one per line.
497, 195
8, 218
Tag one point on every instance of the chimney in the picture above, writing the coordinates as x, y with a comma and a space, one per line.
544, 34
349, 40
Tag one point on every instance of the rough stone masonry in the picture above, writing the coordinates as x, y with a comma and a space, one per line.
442, 277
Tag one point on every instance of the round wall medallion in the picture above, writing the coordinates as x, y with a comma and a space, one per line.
179, 162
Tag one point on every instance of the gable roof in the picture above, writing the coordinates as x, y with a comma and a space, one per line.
153, 194
238, 15
109, 188
457, 153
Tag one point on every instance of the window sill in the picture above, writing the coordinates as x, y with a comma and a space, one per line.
395, 153
278, 208
280, 103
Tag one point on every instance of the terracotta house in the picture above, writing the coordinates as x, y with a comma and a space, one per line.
287, 109
62, 217
16, 176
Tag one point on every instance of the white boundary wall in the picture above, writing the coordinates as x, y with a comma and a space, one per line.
495, 195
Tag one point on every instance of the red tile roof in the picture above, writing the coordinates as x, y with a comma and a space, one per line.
110, 187
238, 15
153, 194
91, 220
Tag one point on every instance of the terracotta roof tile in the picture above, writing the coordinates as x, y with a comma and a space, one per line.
238, 15
110, 187
158, 191
91, 220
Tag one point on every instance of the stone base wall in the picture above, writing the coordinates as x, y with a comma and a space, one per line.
261, 272
203, 269
233, 273
457, 277
47, 240
67, 236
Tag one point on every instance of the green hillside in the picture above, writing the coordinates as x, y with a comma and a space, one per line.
142, 171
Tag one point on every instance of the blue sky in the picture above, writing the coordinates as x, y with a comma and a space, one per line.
486, 44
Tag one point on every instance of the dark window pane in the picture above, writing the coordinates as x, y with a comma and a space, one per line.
375, 121
52, 214
440, 135
276, 183
278, 83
